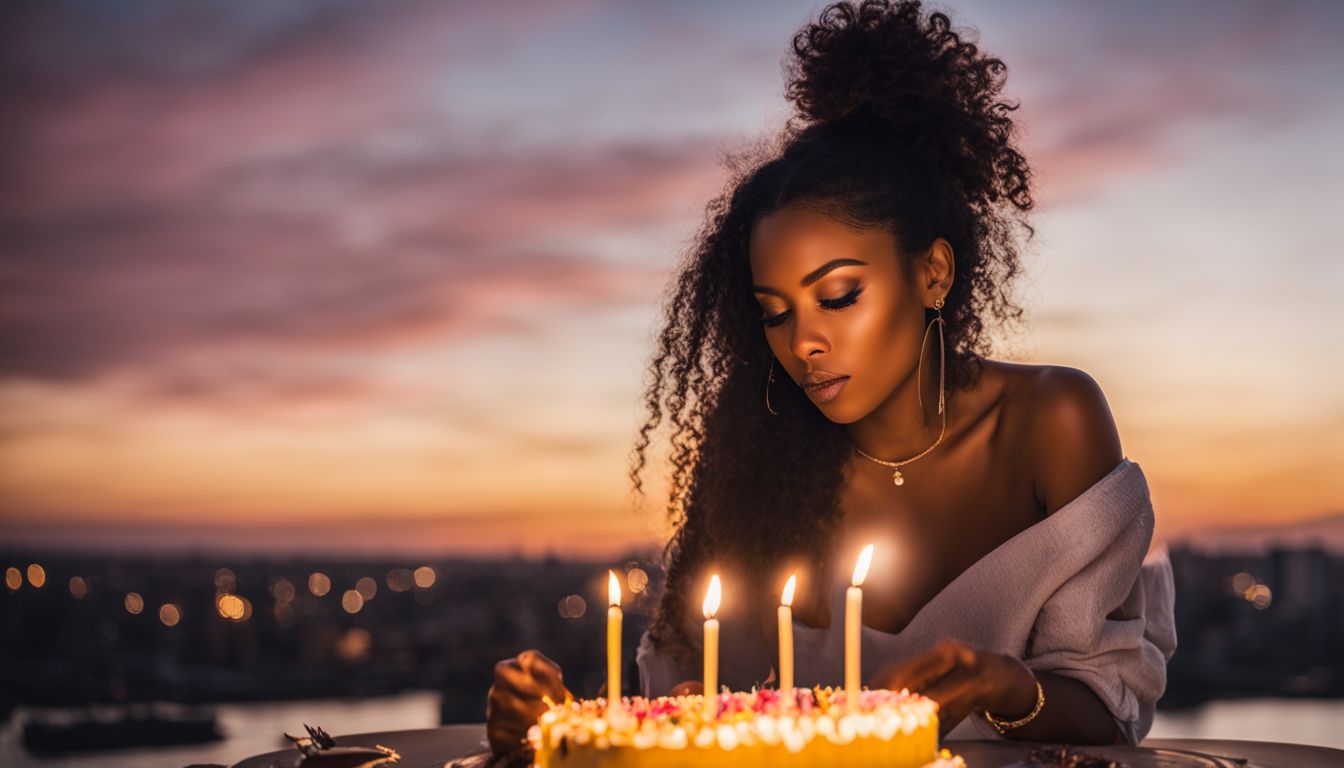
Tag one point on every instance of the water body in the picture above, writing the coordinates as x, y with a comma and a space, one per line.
1299, 721
252, 729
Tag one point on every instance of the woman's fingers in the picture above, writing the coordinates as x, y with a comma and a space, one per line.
545, 672
951, 673
530, 677
921, 670
515, 700
688, 688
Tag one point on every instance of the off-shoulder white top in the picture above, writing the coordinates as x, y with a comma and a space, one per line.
1075, 594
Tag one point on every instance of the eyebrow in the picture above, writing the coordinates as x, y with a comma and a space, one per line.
816, 274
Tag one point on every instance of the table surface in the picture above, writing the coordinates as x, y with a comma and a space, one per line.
433, 747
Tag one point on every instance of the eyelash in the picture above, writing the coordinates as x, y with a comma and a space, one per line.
832, 304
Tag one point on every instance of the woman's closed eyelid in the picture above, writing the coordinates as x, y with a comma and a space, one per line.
837, 303
847, 293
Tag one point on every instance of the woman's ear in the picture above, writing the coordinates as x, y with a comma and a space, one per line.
936, 271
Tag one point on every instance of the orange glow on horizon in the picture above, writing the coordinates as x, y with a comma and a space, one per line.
443, 352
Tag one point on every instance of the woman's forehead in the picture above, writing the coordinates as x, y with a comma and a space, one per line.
794, 241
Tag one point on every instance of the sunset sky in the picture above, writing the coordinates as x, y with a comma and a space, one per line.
384, 276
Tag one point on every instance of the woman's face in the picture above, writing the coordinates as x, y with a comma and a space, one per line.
837, 310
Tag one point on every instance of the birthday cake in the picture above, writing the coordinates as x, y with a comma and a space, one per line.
893, 729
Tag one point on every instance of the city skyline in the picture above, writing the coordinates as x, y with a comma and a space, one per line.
393, 273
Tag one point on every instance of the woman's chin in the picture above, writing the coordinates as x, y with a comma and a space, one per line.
840, 411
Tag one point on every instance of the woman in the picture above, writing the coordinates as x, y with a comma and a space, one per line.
823, 369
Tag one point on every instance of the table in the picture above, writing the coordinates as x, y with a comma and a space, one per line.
432, 747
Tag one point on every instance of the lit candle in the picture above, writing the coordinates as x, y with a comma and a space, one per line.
613, 641
711, 607
786, 638
853, 620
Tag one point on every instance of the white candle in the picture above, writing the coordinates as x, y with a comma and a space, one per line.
711, 607
613, 640
786, 638
854, 620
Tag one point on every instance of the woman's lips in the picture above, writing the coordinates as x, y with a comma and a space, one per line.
826, 391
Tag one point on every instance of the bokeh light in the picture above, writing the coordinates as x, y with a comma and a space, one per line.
367, 587
425, 577
637, 580
319, 584
354, 645
352, 601
13, 579
400, 579
1259, 596
134, 603
1242, 582
37, 576
573, 607
170, 614
225, 580
230, 606
79, 589
283, 590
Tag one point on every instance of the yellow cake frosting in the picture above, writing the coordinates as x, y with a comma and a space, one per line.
813, 727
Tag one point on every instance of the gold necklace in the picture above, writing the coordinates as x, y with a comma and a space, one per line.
896, 477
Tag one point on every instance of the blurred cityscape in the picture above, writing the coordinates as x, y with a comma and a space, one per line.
1267, 624
104, 630
89, 629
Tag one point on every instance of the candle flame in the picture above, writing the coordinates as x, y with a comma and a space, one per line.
861, 567
613, 589
787, 598
712, 596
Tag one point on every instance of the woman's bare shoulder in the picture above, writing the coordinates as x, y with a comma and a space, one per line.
1063, 421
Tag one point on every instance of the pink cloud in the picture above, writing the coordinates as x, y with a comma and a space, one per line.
134, 287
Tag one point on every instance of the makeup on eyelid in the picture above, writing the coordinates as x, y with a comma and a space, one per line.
832, 304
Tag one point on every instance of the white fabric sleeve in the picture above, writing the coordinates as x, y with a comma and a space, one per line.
1113, 634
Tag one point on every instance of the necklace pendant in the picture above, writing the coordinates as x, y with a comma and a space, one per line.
896, 478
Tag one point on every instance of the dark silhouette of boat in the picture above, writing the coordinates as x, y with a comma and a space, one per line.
140, 725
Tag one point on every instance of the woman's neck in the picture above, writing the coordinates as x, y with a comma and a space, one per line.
900, 427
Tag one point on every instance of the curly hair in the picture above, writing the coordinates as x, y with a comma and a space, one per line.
899, 124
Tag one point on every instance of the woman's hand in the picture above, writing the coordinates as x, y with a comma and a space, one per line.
964, 679
514, 702
688, 688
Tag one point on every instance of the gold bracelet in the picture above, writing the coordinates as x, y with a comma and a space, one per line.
1003, 726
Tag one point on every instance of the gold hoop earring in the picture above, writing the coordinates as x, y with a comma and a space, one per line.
896, 477
768, 381
942, 357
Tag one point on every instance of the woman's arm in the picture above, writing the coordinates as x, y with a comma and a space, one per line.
1075, 444
1072, 713
966, 681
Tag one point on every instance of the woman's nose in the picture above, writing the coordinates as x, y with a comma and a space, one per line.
808, 341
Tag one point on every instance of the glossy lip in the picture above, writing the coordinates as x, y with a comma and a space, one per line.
815, 378
826, 388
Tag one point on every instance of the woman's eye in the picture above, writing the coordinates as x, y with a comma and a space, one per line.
844, 301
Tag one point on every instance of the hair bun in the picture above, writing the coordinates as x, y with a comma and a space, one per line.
887, 67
